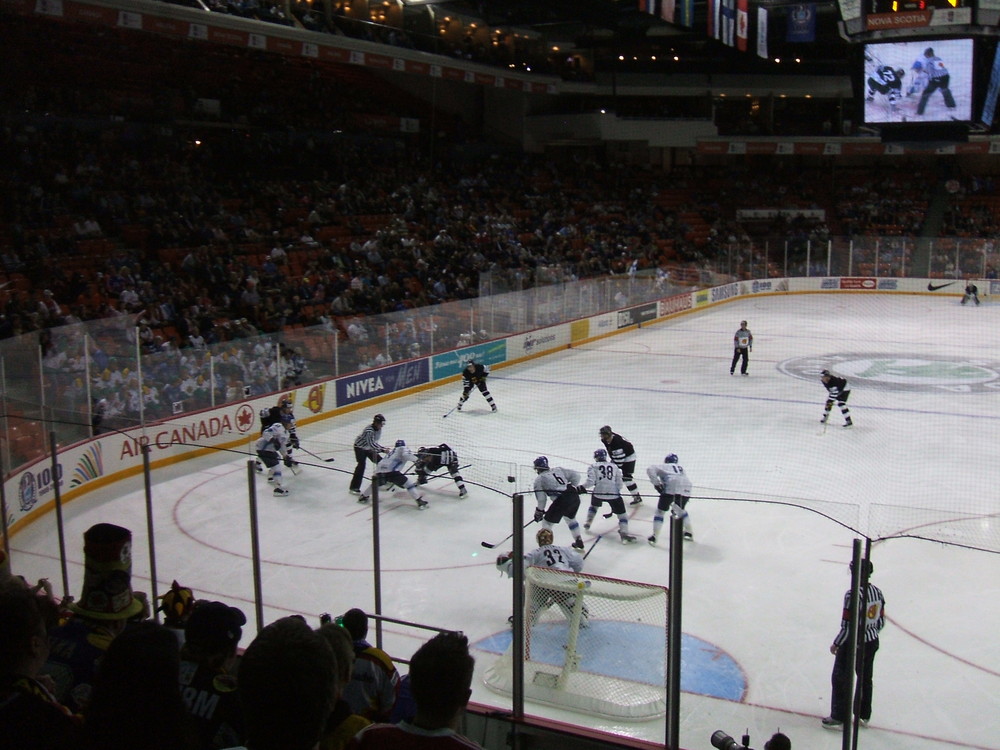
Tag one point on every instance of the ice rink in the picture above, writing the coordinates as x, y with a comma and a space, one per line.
777, 503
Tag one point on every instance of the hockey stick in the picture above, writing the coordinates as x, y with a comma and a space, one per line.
451, 410
599, 538
430, 477
511, 534
309, 452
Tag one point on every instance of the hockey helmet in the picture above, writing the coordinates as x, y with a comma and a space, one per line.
600, 455
606, 431
400, 443
825, 374
541, 464
670, 458
285, 403
544, 536
379, 419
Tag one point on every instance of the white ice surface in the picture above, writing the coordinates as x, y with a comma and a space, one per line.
763, 580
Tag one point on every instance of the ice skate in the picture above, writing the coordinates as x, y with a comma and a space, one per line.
626, 538
280, 491
652, 541
578, 543
421, 503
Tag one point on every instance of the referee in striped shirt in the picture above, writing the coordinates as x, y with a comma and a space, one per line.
366, 447
871, 621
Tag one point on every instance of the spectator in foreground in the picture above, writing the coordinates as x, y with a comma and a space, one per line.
441, 681
208, 674
374, 679
99, 616
286, 686
31, 717
342, 723
136, 701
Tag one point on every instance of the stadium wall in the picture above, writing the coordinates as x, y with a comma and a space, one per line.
82, 469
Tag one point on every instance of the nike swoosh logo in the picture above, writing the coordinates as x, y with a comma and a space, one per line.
933, 288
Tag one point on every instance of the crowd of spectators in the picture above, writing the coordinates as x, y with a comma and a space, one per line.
214, 235
101, 673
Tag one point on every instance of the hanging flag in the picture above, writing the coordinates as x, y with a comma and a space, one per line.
685, 13
647, 6
801, 23
727, 18
712, 25
762, 32
742, 21
668, 10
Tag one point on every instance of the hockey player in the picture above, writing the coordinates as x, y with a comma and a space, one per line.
971, 292
390, 471
605, 482
432, 459
272, 450
838, 391
888, 82
623, 456
674, 487
918, 77
742, 346
938, 78
282, 413
563, 487
547, 555
474, 375
367, 448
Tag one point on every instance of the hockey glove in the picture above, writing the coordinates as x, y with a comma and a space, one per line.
294, 440
539, 514
287, 461
581, 489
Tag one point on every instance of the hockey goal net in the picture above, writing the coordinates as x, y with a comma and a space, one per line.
591, 644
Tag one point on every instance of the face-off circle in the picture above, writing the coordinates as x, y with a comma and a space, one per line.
923, 373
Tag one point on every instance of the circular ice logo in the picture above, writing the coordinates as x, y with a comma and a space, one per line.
927, 373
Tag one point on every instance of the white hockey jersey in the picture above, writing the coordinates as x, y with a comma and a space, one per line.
550, 484
274, 438
396, 460
605, 480
671, 477
549, 556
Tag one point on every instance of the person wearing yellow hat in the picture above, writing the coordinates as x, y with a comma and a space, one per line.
105, 606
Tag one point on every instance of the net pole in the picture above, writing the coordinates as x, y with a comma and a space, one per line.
674, 596
517, 644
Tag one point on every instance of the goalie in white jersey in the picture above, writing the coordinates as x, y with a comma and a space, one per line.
547, 555
605, 482
562, 487
390, 471
674, 487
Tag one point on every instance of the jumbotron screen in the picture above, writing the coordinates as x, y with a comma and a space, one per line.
918, 81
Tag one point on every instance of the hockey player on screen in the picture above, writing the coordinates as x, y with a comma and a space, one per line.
474, 376
838, 391
432, 459
918, 77
938, 79
390, 471
888, 82
562, 487
272, 451
547, 555
605, 482
623, 456
674, 487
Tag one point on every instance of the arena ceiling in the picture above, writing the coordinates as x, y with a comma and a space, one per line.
613, 29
